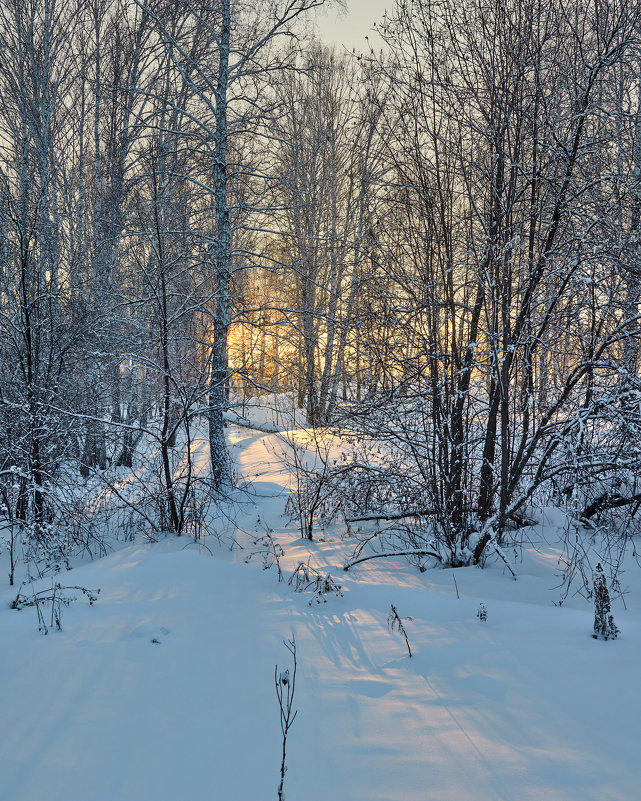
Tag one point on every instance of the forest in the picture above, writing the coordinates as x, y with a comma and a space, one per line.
436, 246
415, 269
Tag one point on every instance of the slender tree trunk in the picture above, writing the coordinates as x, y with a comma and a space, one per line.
218, 398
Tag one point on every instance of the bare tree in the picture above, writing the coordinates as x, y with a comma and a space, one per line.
230, 82
494, 257
330, 163
38, 333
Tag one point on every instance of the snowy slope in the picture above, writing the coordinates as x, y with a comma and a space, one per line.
164, 689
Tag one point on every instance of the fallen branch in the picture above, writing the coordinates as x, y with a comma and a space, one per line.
395, 516
610, 500
502, 556
393, 553
492, 543
520, 521
243, 422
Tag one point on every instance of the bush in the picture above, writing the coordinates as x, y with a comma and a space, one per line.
604, 626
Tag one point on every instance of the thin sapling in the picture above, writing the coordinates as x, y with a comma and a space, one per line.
285, 682
395, 623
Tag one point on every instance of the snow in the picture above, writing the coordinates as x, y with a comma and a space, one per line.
164, 688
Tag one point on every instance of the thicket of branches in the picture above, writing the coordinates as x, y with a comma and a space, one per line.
437, 245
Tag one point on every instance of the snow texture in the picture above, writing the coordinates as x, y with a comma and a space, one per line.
163, 690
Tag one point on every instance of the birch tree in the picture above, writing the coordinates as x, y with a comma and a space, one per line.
330, 164
231, 84
37, 70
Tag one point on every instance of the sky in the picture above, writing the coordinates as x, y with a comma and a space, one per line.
348, 28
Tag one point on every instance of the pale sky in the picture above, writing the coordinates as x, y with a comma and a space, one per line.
349, 28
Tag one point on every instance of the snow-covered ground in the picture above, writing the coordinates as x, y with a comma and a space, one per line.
164, 689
